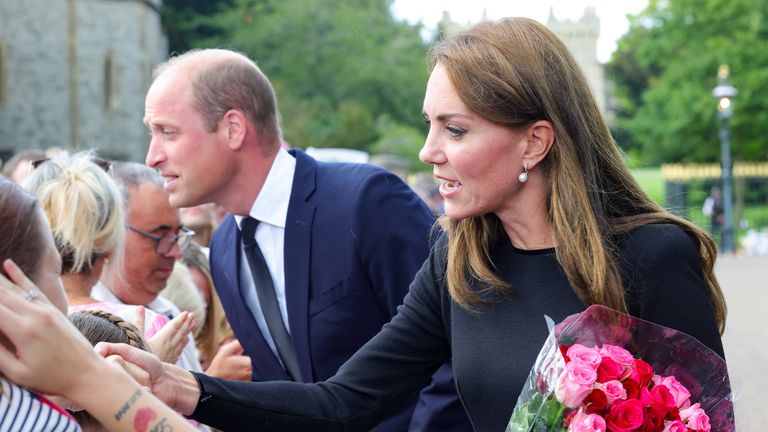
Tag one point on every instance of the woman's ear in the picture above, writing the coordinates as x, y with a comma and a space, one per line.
98, 266
540, 136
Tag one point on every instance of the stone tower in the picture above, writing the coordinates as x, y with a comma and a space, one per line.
73, 74
581, 39
579, 36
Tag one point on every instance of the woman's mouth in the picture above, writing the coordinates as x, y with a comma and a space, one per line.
449, 187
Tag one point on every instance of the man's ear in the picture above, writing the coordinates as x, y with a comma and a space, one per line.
540, 136
233, 128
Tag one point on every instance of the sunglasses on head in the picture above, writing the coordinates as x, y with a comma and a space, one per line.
104, 164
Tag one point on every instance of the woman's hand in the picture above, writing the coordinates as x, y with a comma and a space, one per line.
45, 352
230, 363
169, 342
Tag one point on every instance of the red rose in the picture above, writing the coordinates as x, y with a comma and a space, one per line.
662, 396
609, 370
568, 418
632, 388
653, 421
596, 402
642, 373
564, 351
625, 416
673, 414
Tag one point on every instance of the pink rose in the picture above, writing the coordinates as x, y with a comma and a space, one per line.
675, 426
575, 384
625, 416
617, 354
582, 354
614, 390
679, 393
696, 418
583, 422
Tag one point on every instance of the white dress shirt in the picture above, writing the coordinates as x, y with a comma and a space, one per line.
271, 210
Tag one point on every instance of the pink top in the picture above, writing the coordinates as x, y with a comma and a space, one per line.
153, 321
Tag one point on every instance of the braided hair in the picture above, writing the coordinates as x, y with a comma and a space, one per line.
100, 326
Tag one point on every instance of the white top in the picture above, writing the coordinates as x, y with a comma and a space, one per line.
271, 209
190, 359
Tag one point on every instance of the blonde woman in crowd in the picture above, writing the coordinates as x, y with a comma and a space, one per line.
32, 327
85, 210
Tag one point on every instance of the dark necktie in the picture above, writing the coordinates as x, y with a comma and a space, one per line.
265, 290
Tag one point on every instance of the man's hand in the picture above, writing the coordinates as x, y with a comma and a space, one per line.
174, 386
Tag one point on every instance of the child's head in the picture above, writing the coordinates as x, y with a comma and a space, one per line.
99, 326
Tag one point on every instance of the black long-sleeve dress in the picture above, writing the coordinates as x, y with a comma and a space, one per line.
492, 349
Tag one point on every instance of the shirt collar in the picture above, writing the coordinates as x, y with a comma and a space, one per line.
271, 206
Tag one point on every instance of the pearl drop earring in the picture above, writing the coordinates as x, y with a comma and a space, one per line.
523, 177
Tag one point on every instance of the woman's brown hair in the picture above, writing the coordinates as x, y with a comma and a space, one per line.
21, 233
514, 72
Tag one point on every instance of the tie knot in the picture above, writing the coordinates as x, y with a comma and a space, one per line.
248, 226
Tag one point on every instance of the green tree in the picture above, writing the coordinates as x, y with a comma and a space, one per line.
400, 140
665, 68
184, 21
337, 65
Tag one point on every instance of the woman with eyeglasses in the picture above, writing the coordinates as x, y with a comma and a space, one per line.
85, 211
46, 352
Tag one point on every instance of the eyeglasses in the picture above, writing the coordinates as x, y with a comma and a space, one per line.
165, 244
102, 163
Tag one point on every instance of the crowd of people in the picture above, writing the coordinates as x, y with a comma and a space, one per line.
329, 297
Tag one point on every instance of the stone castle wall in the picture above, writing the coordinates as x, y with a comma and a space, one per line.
580, 37
75, 72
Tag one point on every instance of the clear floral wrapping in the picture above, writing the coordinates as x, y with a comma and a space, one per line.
602, 370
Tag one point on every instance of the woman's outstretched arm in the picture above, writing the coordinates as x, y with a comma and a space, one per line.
45, 353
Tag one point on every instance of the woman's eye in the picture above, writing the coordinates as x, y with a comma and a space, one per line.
456, 131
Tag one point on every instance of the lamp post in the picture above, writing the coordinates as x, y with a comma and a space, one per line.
724, 93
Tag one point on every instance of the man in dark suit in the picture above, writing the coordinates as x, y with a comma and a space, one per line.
335, 245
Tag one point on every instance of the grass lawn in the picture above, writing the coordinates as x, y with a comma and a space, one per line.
751, 215
651, 182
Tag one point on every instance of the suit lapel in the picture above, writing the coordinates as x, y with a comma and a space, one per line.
297, 255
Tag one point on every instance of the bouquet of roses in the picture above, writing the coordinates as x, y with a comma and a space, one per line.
602, 370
